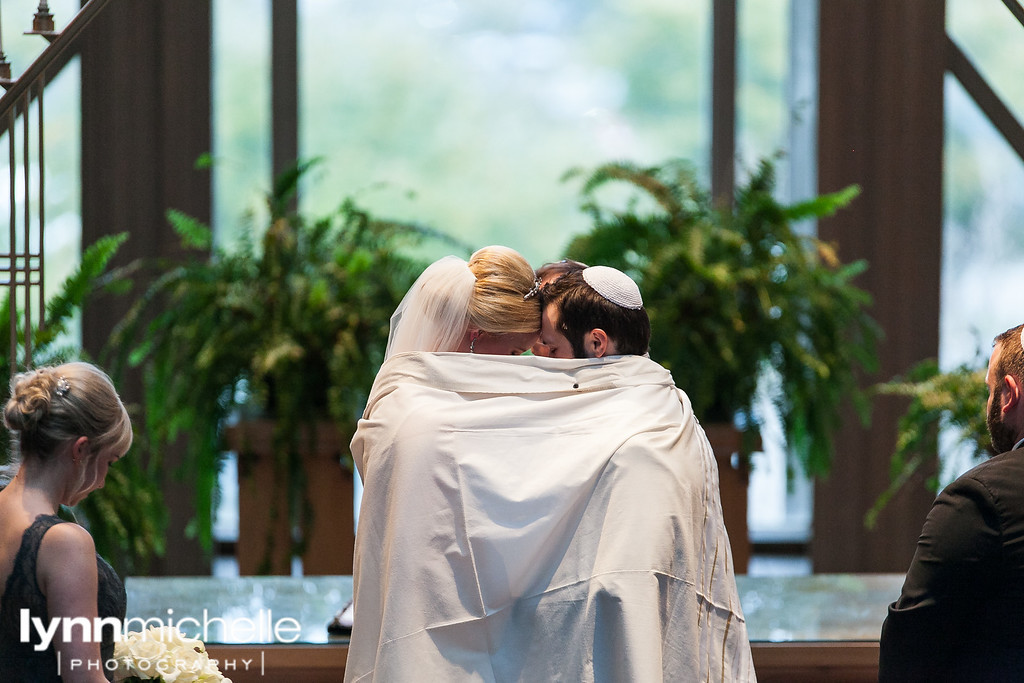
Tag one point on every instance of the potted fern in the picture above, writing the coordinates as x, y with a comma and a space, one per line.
284, 333
743, 306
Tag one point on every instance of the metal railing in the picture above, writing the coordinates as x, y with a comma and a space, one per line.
21, 265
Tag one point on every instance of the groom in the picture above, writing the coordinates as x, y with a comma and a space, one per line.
533, 518
592, 313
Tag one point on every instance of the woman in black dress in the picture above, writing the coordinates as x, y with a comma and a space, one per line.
68, 426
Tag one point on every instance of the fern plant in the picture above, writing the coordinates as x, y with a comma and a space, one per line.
291, 324
739, 301
938, 401
127, 518
49, 340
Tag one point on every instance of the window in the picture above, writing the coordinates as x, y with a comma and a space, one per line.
983, 244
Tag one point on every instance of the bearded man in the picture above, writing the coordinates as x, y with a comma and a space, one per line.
958, 617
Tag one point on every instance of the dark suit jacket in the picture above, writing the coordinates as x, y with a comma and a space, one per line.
960, 616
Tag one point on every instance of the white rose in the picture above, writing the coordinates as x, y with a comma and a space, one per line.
188, 658
164, 652
142, 656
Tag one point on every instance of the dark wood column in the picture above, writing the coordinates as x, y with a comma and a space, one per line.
723, 101
881, 126
145, 122
284, 89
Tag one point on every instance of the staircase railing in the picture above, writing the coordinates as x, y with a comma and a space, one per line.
21, 266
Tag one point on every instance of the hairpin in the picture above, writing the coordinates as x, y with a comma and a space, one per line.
63, 386
534, 291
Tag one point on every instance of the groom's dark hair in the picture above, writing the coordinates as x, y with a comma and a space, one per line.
581, 309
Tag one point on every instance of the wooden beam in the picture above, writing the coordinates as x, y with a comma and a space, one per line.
284, 84
145, 122
1016, 9
985, 97
881, 72
723, 101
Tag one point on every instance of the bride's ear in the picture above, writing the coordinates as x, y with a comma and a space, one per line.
469, 341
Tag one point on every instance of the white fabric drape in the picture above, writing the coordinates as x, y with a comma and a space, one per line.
536, 519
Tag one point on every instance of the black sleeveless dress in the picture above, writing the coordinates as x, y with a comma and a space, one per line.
20, 662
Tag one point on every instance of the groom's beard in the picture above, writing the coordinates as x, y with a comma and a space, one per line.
1003, 438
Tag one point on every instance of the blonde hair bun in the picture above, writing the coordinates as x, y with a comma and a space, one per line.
502, 301
51, 406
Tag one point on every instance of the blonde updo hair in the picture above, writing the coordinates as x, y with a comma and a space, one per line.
505, 297
53, 405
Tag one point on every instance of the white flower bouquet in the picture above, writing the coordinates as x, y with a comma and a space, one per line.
163, 653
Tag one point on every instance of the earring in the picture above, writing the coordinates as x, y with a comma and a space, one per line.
472, 342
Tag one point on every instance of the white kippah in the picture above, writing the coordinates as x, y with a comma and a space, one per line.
614, 285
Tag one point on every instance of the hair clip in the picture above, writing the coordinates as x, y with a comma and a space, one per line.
534, 291
63, 386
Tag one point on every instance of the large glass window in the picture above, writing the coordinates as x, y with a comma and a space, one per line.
241, 111
464, 116
776, 96
983, 239
478, 108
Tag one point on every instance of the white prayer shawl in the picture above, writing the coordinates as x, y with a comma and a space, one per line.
537, 519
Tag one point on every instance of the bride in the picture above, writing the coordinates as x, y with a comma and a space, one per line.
488, 305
